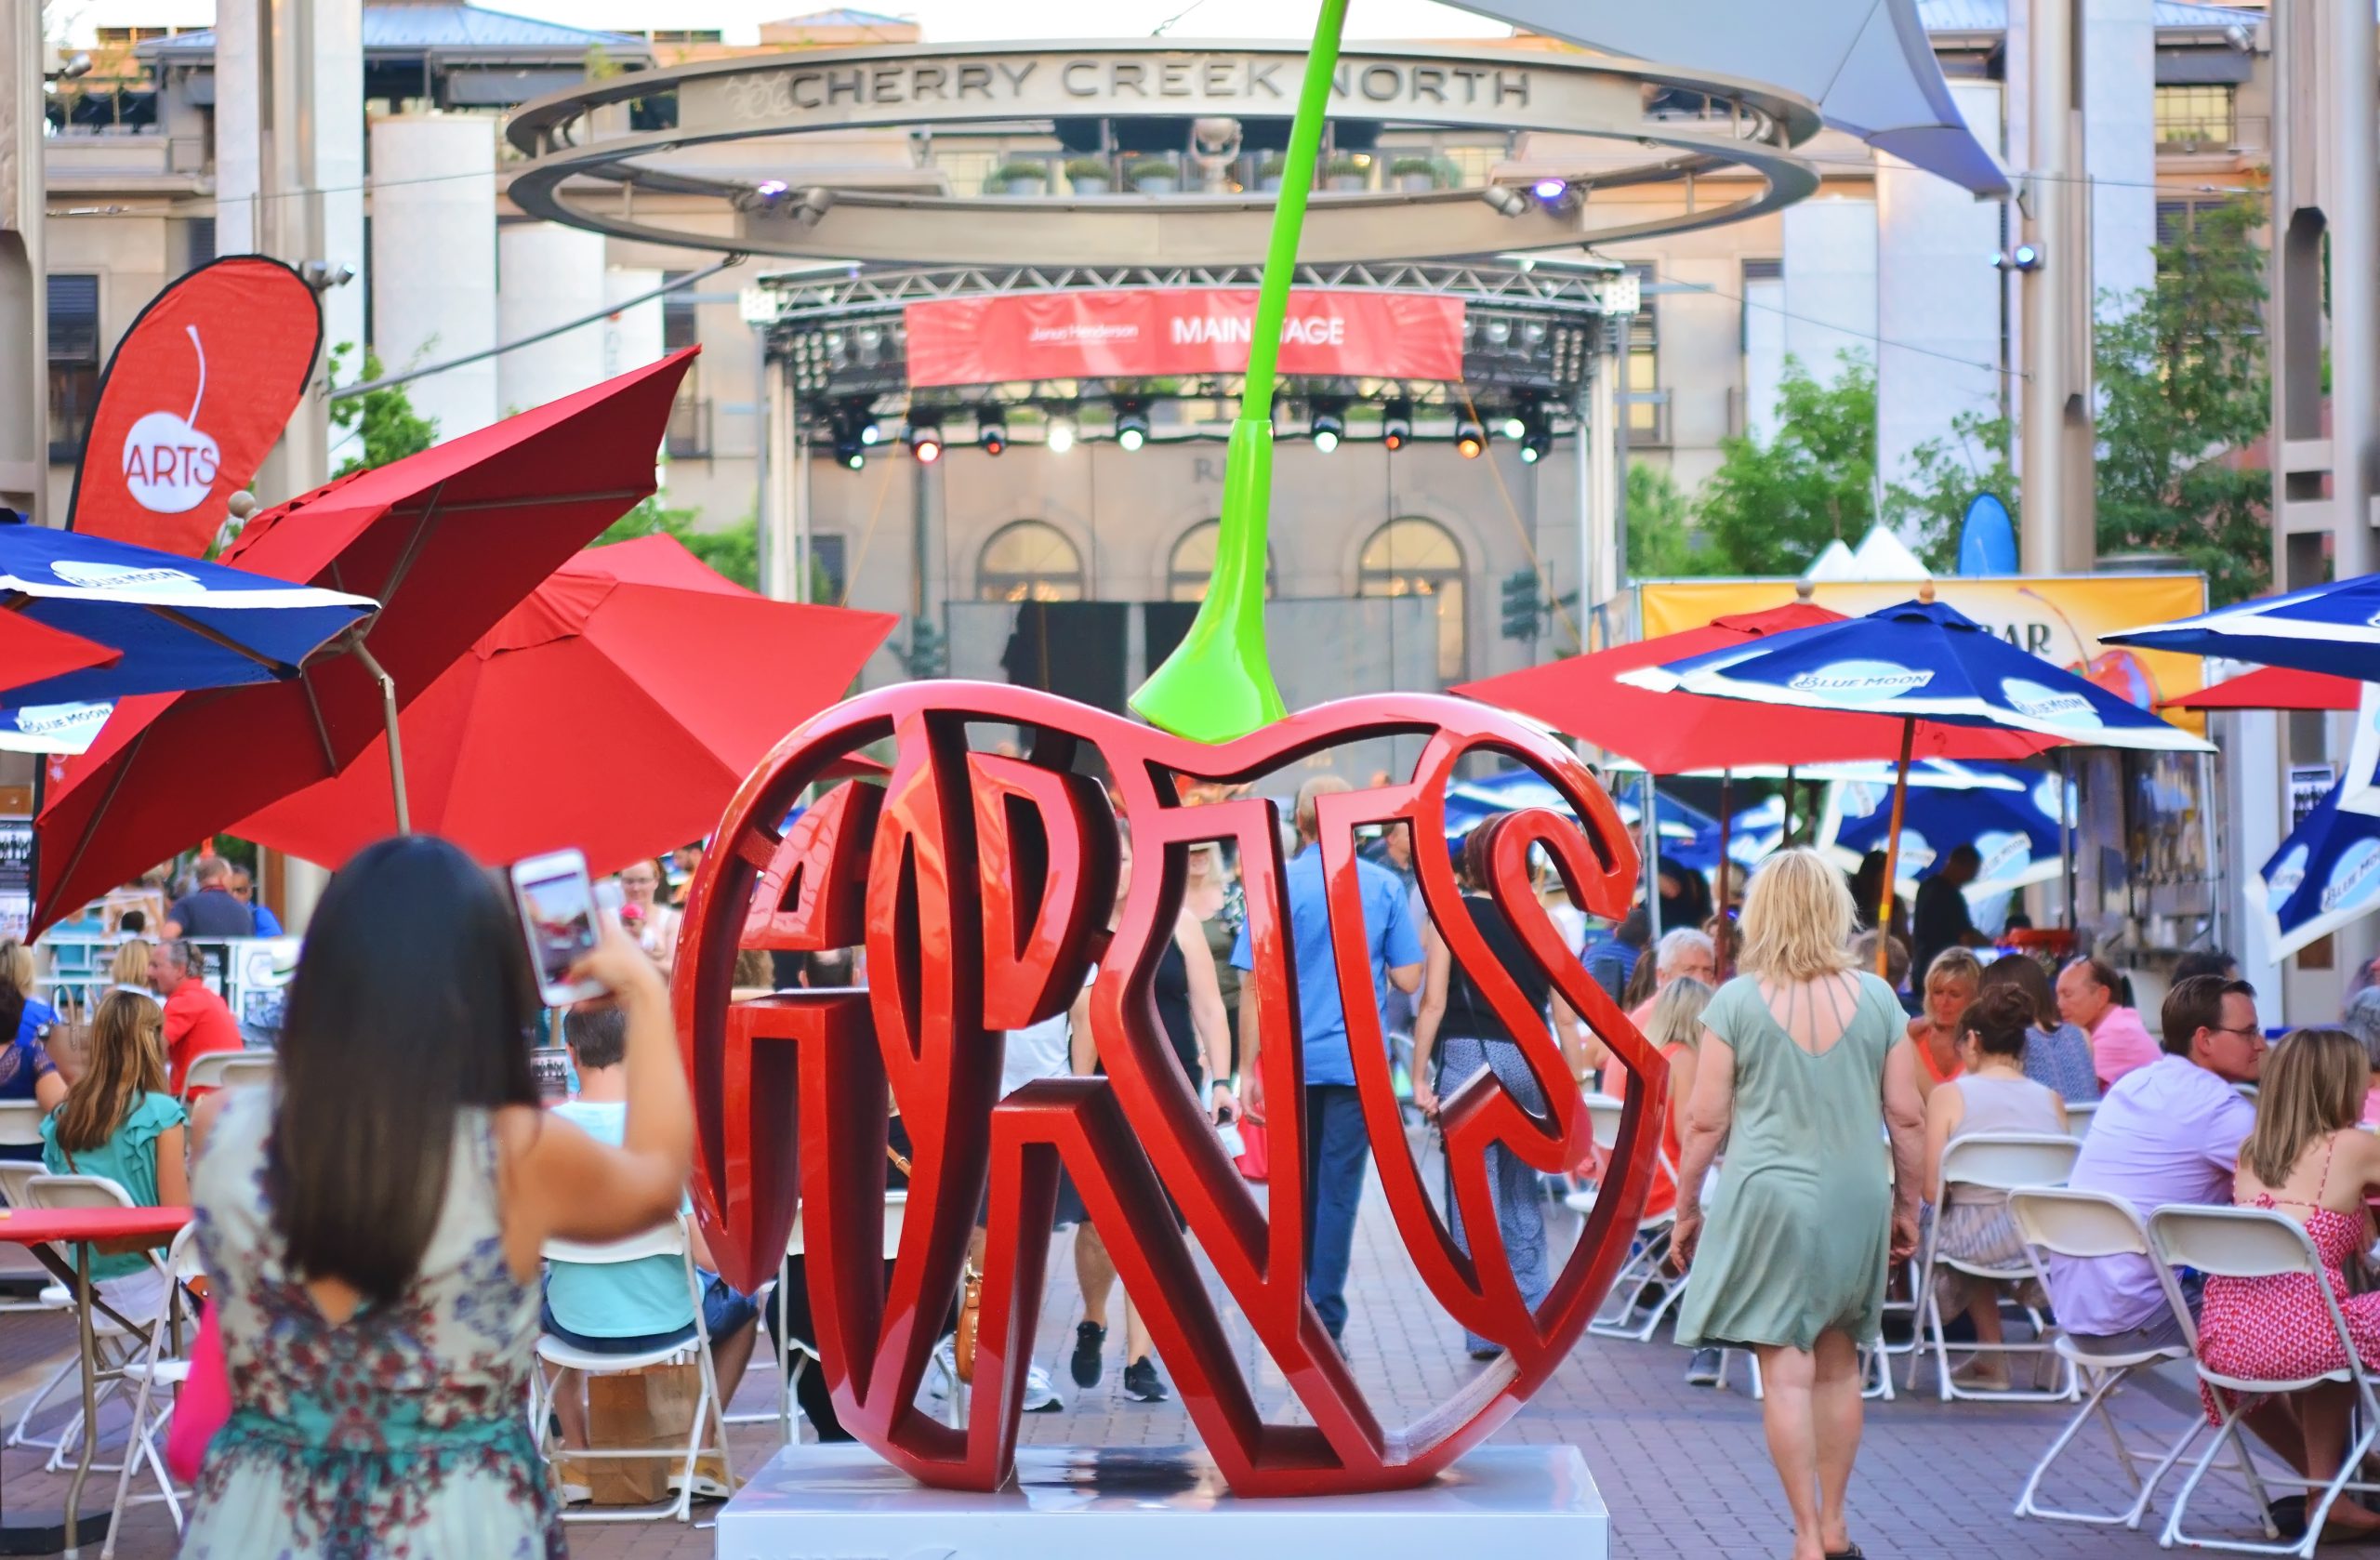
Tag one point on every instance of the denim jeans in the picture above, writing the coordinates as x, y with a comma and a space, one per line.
1336, 1150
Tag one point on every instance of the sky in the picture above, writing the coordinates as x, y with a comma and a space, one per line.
945, 21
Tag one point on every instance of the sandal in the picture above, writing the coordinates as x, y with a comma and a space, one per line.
1849, 1552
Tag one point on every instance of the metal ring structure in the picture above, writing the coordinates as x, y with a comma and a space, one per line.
921, 87
978, 887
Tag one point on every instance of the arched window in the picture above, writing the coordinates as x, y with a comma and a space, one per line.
1028, 562
1193, 563
1415, 557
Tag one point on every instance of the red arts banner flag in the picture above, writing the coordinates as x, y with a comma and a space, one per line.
193, 398
1146, 332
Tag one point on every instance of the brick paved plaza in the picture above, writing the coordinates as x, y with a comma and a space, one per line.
1682, 1468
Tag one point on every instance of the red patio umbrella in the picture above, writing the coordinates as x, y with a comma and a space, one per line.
2274, 688
1675, 732
448, 541
616, 709
32, 652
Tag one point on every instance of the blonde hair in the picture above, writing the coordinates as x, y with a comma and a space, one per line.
1676, 1018
1797, 919
130, 966
16, 966
2313, 1085
1954, 964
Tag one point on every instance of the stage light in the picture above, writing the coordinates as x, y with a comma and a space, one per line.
1061, 437
2025, 256
991, 433
925, 442
1507, 201
1549, 190
770, 189
870, 433
1469, 439
1515, 426
1534, 447
1131, 425
1397, 424
1326, 422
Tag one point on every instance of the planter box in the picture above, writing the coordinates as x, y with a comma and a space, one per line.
1090, 186
1416, 183
1269, 183
1023, 187
1155, 184
1346, 184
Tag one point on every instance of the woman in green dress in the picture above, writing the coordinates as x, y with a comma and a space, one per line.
1799, 1077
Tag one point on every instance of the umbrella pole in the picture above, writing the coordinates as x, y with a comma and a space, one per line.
1892, 847
2066, 828
1652, 862
1721, 942
396, 744
1786, 835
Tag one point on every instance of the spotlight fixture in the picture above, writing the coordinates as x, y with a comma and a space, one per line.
853, 427
1327, 421
991, 432
1397, 424
1469, 439
1536, 444
1515, 426
1507, 200
1131, 425
1549, 191
2025, 256
770, 189
1061, 437
925, 442
870, 433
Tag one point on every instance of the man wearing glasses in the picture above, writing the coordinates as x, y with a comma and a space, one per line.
2167, 1133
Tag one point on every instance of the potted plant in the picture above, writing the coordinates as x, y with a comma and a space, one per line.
1154, 176
1268, 174
1347, 173
1088, 174
1022, 179
1415, 174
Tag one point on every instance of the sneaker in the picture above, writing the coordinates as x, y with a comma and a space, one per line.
1040, 1397
1702, 1370
1089, 1338
1141, 1383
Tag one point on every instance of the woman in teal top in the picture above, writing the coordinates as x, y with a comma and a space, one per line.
118, 1121
1798, 1076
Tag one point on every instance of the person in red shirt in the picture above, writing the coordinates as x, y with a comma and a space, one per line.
197, 1021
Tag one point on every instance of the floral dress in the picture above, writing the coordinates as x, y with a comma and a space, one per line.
2277, 1328
399, 1436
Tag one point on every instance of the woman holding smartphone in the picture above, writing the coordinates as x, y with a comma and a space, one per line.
371, 1228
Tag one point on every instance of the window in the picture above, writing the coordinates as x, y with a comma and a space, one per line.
1028, 562
1640, 391
689, 437
829, 570
1193, 563
1418, 558
74, 362
2195, 114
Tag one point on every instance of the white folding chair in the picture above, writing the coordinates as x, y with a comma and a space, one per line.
2255, 1243
1644, 1282
709, 1431
116, 1350
2064, 1223
793, 1356
1999, 1162
161, 1366
2080, 1114
21, 1127
227, 1069
53, 1297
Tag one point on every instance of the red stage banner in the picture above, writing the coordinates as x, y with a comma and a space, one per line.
193, 397
1145, 331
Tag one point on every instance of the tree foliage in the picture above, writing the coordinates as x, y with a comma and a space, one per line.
389, 428
1772, 506
1949, 474
2183, 390
732, 551
1662, 543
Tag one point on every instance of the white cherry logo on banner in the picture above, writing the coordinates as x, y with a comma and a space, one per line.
169, 465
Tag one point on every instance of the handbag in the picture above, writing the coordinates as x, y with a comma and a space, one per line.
204, 1404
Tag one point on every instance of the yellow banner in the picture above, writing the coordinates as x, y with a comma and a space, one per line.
2057, 617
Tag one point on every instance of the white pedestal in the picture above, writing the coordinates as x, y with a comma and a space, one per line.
1106, 1503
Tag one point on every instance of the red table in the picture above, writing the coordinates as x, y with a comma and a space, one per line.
49, 1234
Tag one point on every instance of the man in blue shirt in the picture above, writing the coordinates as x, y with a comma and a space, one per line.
1336, 1145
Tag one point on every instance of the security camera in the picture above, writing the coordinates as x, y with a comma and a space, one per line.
322, 276
1507, 200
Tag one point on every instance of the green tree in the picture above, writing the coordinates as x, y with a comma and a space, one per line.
1946, 476
390, 428
2182, 391
1771, 507
1661, 539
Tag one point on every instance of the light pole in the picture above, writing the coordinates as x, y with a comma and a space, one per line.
2058, 435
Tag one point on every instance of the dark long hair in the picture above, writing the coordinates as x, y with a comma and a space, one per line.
411, 1001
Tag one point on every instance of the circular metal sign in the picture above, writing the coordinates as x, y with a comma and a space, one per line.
1626, 109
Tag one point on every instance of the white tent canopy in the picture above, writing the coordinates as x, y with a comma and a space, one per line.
1866, 63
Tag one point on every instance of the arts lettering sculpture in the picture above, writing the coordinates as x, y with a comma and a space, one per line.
978, 886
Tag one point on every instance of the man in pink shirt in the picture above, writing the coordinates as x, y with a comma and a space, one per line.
2086, 996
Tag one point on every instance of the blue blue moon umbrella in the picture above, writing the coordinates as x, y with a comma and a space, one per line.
2014, 831
1921, 659
2326, 874
180, 624
2331, 627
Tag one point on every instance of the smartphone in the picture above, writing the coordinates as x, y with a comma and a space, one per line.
557, 908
